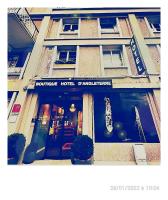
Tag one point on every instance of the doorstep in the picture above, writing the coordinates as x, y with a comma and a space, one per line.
52, 162
112, 163
68, 162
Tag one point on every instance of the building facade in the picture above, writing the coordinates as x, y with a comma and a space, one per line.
93, 71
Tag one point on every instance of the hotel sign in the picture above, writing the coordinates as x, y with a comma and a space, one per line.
73, 83
137, 58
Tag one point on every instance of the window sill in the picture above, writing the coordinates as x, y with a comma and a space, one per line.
14, 70
13, 74
64, 66
69, 33
138, 76
109, 32
116, 67
156, 31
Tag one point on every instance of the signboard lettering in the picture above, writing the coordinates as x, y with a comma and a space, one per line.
73, 83
137, 58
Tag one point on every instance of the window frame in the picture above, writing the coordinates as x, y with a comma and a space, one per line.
13, 59
154, 29
112, 110
111, 50
68, 60
114, 29
70, 24
152, 21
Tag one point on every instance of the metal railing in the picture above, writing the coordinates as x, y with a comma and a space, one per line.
25, 18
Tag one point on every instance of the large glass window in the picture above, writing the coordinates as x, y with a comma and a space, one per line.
124, 117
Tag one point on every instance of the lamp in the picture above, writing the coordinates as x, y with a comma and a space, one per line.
72, 108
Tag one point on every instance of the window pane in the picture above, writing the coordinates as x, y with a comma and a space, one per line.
157, 27
109, 24
63, 55
74, 27
116, 58
72, 54
154, 22
130, 116
67, 27
72, 57
9, 96
13, 61
107, 58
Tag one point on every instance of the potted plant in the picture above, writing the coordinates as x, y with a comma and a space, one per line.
82, 150
16, 143
30, 153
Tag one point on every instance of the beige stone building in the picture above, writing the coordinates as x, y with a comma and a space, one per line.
93, 71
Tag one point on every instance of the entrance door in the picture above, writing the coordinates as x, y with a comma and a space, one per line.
63, 119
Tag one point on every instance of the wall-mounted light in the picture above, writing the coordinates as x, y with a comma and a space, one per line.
88, 17
72, 108
60, 110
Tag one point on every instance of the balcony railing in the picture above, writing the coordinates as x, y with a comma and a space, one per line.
25, 18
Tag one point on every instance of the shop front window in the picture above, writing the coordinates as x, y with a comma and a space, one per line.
124, 117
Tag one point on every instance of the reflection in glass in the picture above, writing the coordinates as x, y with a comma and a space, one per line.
132, 120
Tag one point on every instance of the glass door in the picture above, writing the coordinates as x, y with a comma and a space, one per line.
65, 124
41, 129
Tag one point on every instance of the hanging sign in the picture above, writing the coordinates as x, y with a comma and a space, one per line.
14, 113
137, 58
16, 108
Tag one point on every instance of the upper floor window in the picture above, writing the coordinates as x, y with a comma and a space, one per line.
112, 57
155, 27
16, 59
9, 96
66, 55
108, 25
154, 23
70, 25
12, 60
